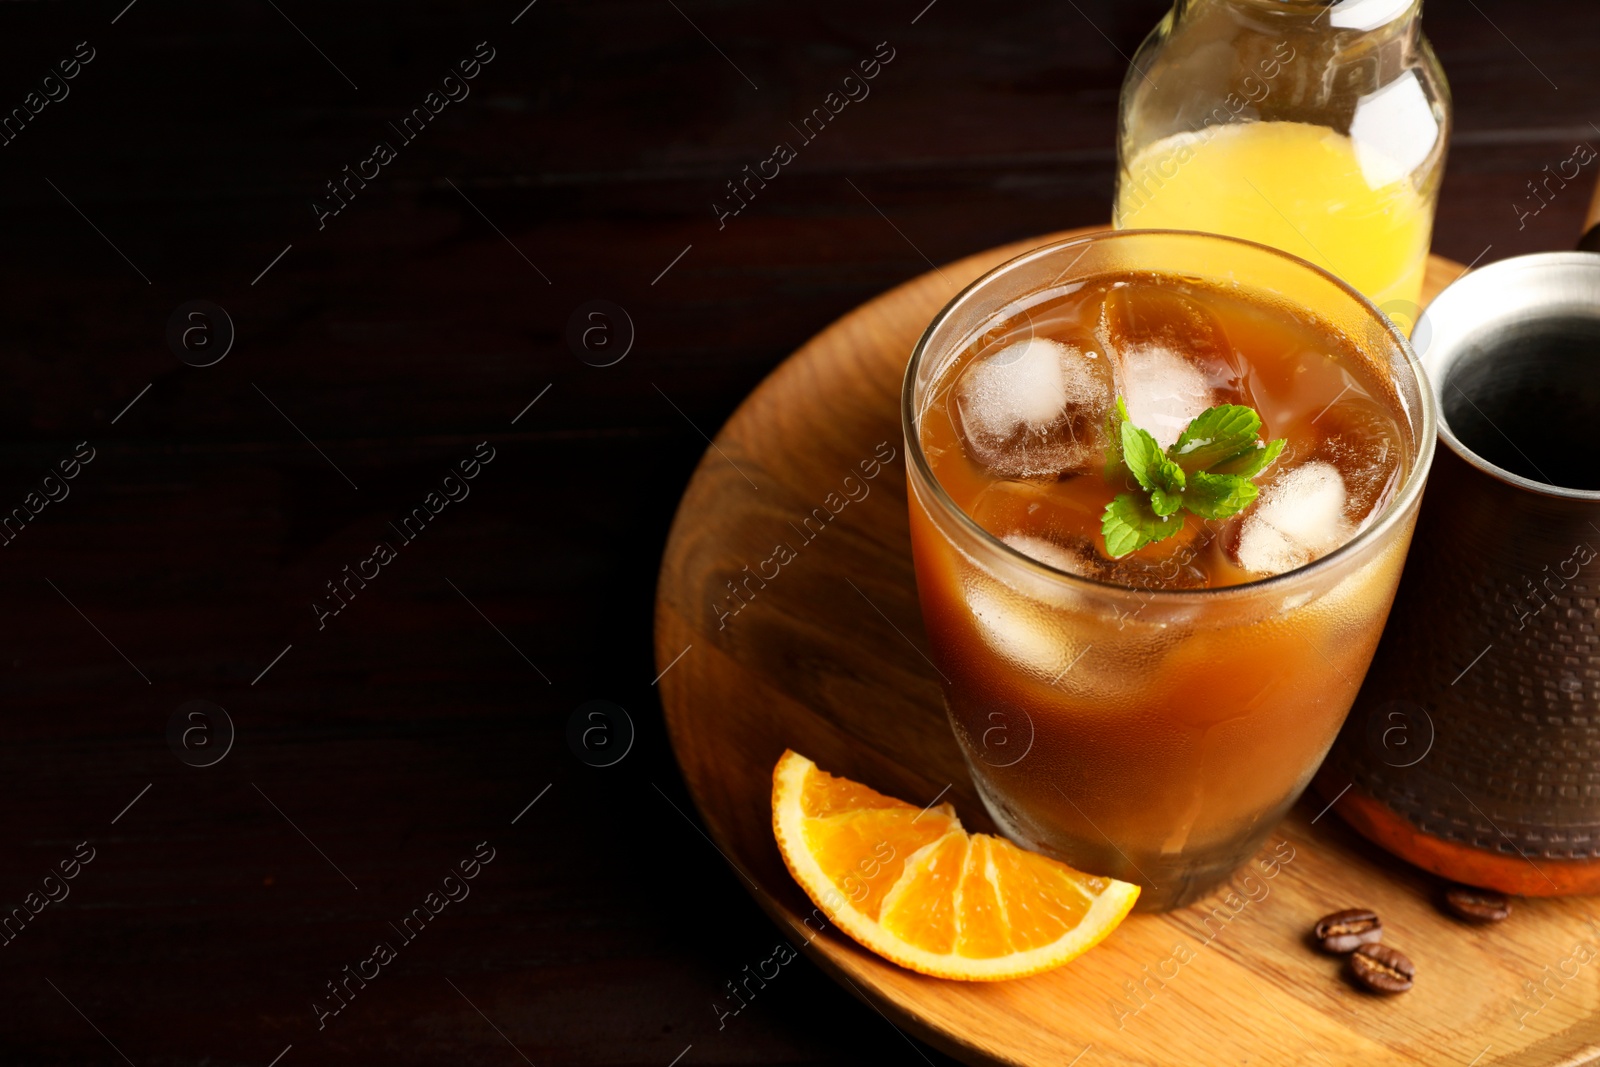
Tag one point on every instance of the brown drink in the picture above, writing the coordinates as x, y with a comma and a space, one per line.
1152, 716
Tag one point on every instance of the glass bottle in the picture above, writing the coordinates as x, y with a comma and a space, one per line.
1315, 126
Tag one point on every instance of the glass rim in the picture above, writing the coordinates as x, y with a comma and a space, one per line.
1410, 489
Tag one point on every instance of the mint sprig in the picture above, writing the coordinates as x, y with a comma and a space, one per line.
1207, 472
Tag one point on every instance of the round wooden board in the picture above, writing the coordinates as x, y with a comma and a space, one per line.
826, 657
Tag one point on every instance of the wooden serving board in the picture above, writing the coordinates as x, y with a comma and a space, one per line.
822, 651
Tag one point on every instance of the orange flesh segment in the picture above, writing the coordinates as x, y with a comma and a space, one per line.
912, 885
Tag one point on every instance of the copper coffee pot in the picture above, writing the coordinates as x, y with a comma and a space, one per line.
1473, 749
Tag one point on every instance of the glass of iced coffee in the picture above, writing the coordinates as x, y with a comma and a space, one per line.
1162, 485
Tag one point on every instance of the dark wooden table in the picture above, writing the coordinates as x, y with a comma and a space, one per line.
363, 754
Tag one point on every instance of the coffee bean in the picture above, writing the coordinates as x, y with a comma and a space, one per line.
1381, 969
1348, 930
1477, 905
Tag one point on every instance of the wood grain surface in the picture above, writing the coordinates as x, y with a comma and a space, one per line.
827, 657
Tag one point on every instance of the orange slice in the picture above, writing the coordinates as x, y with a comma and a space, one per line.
913, 886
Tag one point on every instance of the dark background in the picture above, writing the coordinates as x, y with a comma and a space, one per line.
379, 750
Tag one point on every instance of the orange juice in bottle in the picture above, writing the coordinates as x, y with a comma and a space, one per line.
1317, 128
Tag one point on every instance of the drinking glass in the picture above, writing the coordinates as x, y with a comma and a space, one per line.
1073, 701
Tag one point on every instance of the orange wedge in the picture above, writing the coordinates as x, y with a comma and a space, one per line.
913, 886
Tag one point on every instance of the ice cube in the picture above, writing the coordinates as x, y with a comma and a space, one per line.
1047, 523
1170, 355
1043, 510
1299, 517
1020, 628
1050, 553
1362, 439
1176, 571
1035, 408
1080, 557
1146, 314
1163, 391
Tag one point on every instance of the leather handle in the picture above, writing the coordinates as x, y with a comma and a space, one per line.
1590, 241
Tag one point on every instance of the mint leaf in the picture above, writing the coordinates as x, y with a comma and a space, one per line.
1141, 453
1206, 472
1217, 435
1130, 523
1253, 462
1166, 495
1168, 476
1164, 503
1216, 496
1144, 458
